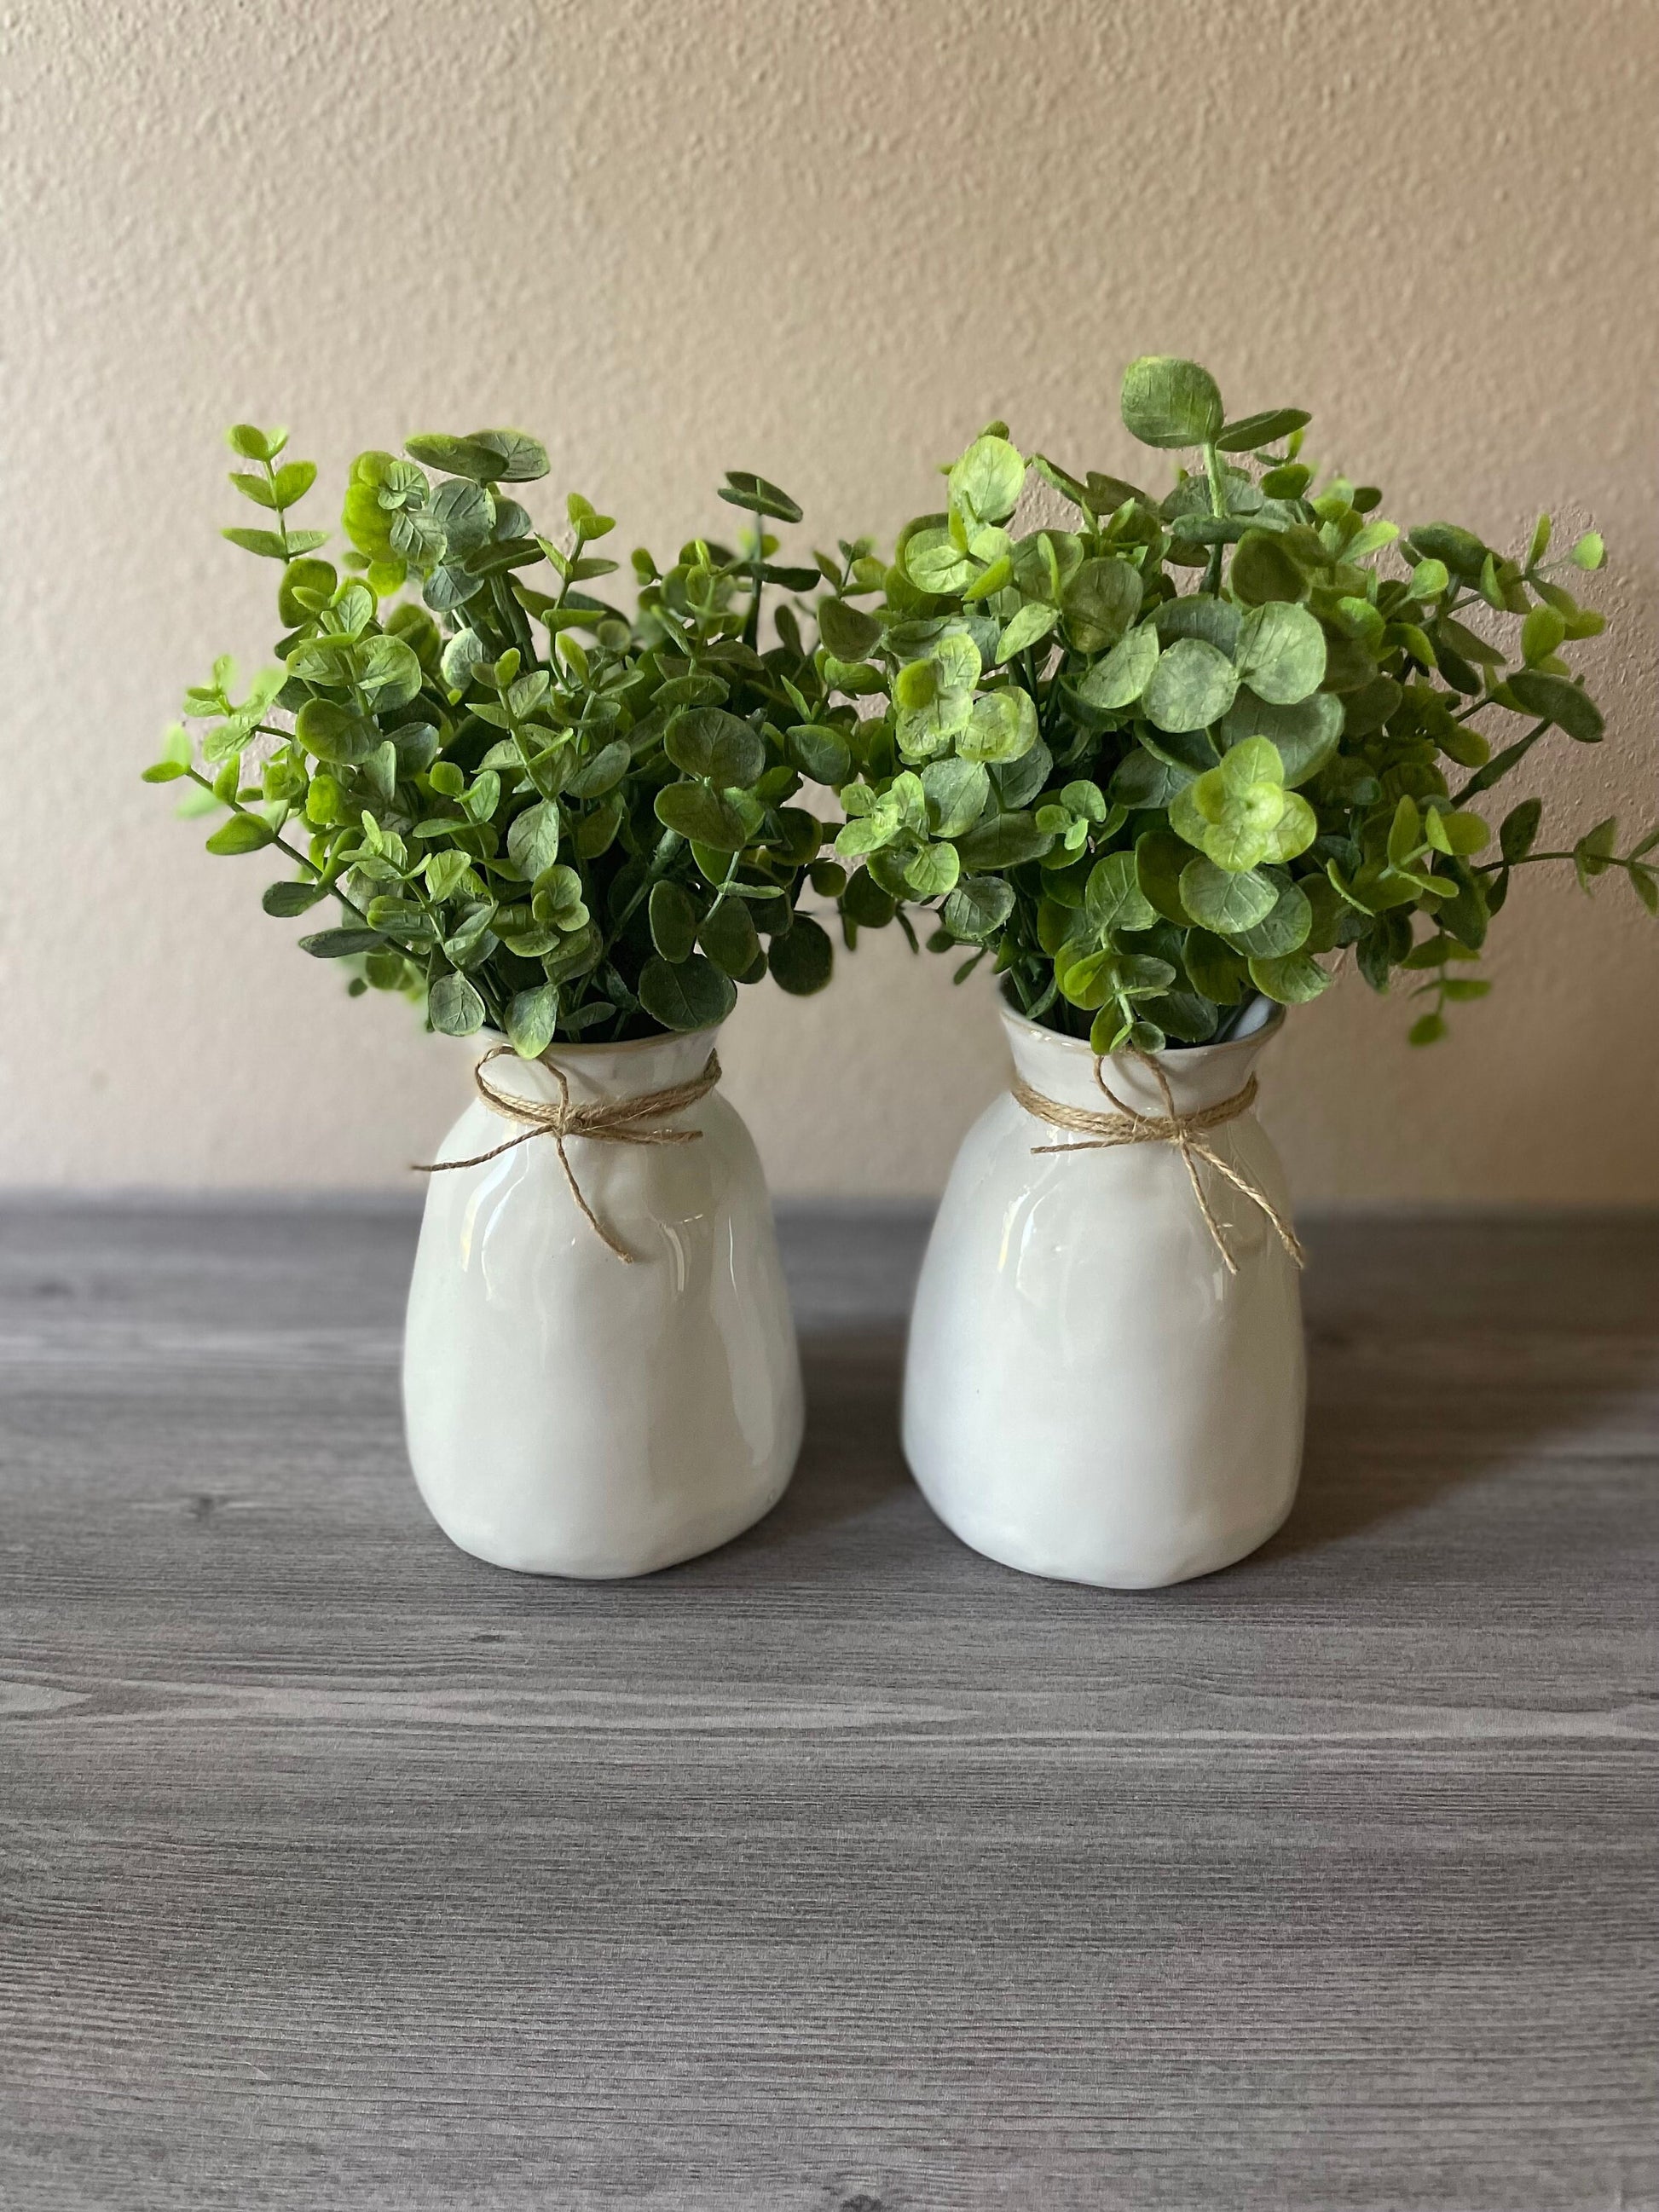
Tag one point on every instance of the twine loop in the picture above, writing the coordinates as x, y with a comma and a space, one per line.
633, 1120
1186, 1131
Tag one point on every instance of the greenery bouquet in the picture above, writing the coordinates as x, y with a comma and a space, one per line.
536, 811
1166, 757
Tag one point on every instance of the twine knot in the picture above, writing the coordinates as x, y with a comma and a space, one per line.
1186, 1131
607, 1121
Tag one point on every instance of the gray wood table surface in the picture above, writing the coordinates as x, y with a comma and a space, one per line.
842, 1869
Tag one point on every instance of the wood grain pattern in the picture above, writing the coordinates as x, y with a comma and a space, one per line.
842, 1869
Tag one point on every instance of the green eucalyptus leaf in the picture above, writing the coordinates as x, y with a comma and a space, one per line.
848, 631
728, 936
532, 1016
1113, 900
724, 821
1252, 432
533, 838
956, 793
1192, 686
673, 919
986, 484
1100, 602
1000, 726
1284, 928
243, 833
1557, 699
1263, 570
692, 994
453, 1005
1281, 652
1122, 677
1292, 979
801, 959
1224, 901
977, 907
1166, 402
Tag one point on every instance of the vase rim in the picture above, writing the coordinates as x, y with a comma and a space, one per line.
1186, 1055
559, 1050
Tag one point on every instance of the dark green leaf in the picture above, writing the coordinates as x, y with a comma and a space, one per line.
690, 995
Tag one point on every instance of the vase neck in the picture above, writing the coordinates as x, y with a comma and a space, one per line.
1063, 1068
596, 1072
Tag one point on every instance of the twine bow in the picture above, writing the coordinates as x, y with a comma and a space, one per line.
608, 1121
1186, 1131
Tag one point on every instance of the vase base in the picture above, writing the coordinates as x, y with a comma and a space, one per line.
1147, 1568
610, 1562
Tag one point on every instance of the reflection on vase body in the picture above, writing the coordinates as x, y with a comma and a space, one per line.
570, 1414
1089, 1392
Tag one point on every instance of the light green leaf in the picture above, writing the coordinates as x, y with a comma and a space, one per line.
1281, 652
1167, 402
1119, 679
1192, 686
533, 838
1001, 726
1292, 979
1033, 622
1222, 901
532, 1018
243, 833
933, 871
977, 907
1100, 601
1113, 899
986, 482
957, 792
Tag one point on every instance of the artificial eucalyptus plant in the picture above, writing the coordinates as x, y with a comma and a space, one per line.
1156, 761
538, 811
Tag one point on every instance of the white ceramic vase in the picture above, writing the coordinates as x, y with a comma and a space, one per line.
1089, 1392
571, 1414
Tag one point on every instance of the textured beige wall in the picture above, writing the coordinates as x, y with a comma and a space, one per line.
827, 243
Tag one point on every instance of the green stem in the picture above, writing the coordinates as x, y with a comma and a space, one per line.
1218, 508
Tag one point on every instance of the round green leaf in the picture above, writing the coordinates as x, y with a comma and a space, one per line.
1113, 899
801, 959
1305, 737
986, 482
728, 936
1291, 979
1262, 570
1192, 686
709, 742
692, 995
1219, 900
1100, 601
453, 1007
978, 906
1281, 652
723, 821
1122, 677
846, 630
1282, 929
1167, 402
933, 871
531, 1017
673, 920
1001, 726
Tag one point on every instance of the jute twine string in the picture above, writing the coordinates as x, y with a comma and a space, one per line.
1186, 1131
608, 1121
